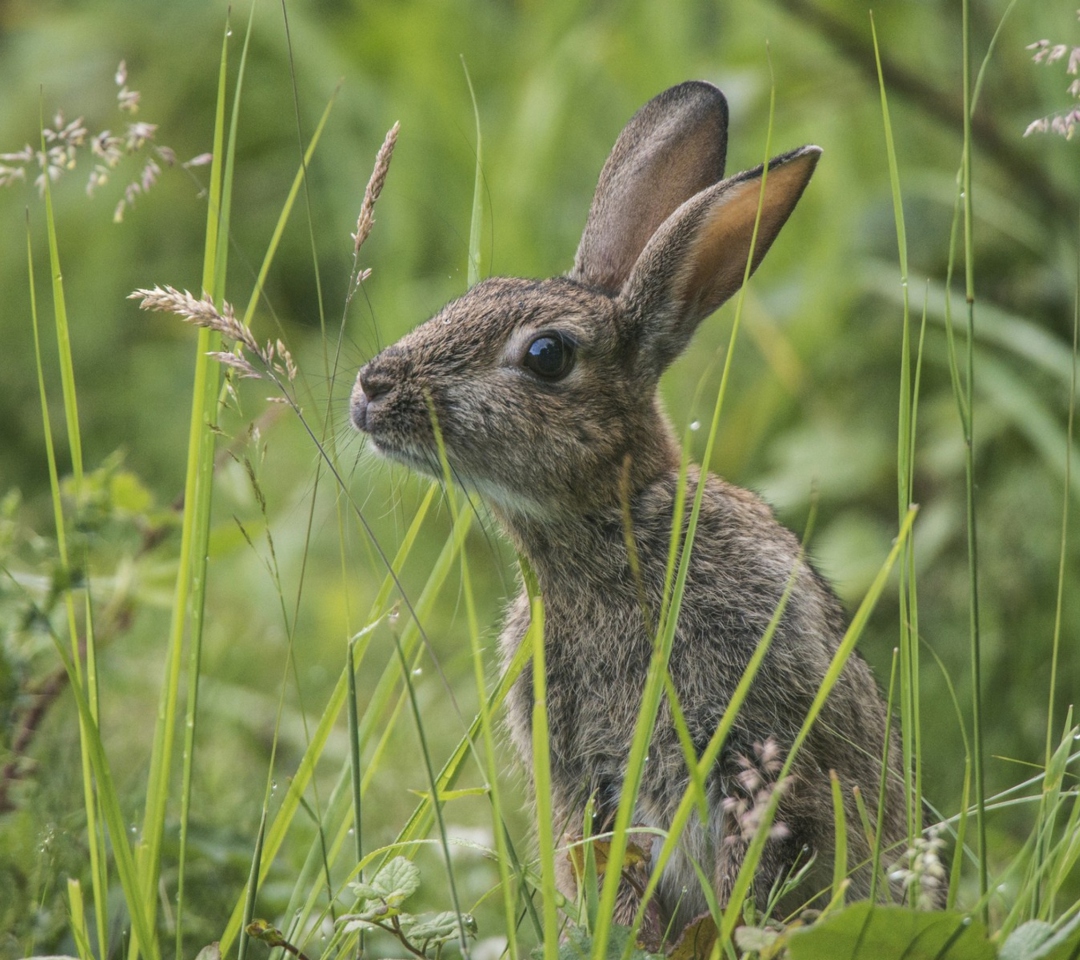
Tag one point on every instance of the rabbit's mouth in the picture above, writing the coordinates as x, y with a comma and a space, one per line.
410, 455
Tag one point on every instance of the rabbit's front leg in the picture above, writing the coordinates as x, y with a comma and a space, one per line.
632, 878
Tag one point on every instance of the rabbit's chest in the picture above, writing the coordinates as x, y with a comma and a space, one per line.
597, 661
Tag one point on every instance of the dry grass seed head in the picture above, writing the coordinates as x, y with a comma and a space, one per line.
366, 220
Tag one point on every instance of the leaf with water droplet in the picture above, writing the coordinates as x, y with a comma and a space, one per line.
393, 884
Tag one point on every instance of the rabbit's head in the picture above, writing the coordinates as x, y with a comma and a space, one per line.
545, 392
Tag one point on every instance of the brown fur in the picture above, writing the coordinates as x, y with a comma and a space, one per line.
666, 242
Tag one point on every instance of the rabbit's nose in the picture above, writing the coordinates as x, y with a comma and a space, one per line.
374, 382
371, 384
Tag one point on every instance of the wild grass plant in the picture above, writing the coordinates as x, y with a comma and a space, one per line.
320, 880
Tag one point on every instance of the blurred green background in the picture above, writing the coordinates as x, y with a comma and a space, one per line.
813, 405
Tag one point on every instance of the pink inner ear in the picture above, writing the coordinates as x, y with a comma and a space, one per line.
718, 255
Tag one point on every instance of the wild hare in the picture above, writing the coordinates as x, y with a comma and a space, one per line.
545, 395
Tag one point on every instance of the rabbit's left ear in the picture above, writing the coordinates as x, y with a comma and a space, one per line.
671, 149
697, 258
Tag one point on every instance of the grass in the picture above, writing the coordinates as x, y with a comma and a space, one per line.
311, 834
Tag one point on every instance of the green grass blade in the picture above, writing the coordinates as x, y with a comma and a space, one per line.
716, 742
355, 747
214, 282
302, 777
96, 841
542, 776
489, 760
883, 786
476, 219
1063, 551
112, 812
251, 890
77, 920
436, 800
650, 701
967, 202
905, 471
190, 586
840, 860
733, 911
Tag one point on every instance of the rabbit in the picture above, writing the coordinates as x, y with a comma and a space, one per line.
545, 396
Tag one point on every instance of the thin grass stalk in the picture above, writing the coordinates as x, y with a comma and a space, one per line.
217, 225
840, 859
491, 768
905, 470
305, 771
63, 344
190, 578
339, 817
74, 436
745, 876
883, 787
419, 821
915, 699
1063, 551
969, 471
436, 795
716, 742
956, 869
503, 861
327, 441
490, 760
651, 695
297, 114
286, 210
290, 665
686, 741
355, 747
251, 890
542, 771
112, 813
476, 219
77, 920
95, 837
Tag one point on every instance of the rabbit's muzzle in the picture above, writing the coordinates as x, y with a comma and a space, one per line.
391, 409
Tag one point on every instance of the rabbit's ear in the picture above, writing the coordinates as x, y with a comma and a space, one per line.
697, 259
672, 149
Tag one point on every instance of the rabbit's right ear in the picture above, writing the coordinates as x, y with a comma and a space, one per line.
702, 252
673, 148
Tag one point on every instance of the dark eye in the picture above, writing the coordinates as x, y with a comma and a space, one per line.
550, 356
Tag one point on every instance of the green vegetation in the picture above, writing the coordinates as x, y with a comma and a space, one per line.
187, 570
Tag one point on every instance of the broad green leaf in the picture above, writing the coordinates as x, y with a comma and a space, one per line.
868, 932
1024, 942
394, 883
698, 939
1035, 940
440, 928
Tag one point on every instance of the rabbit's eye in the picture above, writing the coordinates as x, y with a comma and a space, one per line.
550, 356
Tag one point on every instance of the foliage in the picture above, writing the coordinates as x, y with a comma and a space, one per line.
304, 582
381, 901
